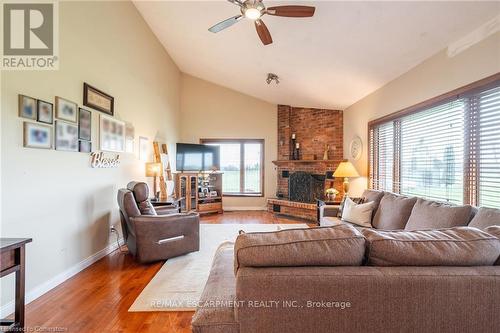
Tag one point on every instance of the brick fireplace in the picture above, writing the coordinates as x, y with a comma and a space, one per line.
314, 129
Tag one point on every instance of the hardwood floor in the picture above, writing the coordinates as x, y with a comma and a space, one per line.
97, 299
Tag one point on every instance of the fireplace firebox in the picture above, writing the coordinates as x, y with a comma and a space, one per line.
306, 187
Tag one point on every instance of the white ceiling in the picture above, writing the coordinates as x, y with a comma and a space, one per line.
343, 53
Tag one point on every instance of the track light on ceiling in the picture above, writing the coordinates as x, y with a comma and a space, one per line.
272, 77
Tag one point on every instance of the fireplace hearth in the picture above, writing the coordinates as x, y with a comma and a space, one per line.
306, 187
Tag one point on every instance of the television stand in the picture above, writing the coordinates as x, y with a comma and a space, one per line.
199, 191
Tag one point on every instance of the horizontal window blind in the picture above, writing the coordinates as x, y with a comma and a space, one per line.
383, 150
445, 149
432, 148
488, 109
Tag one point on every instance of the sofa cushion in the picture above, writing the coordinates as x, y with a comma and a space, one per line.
328, 221
460, 246
360, 214
495, 231
485, 217
373, 196
428, 214
340, 245
393, 212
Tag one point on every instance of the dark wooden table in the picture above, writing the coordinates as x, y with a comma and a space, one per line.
168, 203
12, 260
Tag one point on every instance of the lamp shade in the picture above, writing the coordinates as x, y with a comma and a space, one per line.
153, 169
345, 170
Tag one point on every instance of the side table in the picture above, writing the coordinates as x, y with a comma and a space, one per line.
12, 255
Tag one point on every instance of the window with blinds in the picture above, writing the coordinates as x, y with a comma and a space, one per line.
432, 149
488, 110
445, 150
383, 157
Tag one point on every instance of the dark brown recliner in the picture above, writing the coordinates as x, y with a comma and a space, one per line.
151, 235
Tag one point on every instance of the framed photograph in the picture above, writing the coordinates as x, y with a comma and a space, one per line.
85, 146
143, 148
37, 135
27, 107
84, 124
111, 134
129, 138
66, 136
97, 99
45, 112
66, 110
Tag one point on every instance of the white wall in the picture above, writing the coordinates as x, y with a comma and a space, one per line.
435, 76
53, 196
212, 111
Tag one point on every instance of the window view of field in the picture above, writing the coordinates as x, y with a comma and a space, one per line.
432, 149
230, 164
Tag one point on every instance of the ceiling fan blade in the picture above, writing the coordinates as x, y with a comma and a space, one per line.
291, 11
225, 24
263, 32
236, 2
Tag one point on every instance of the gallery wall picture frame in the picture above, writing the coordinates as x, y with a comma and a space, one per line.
98, 99
85, 146
143, 148
37, 136
111, 134
129, 137
66, 110
84, 124
45, 112
27, 107
66, 136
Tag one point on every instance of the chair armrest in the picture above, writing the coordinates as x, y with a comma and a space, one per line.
166, 210
329, 210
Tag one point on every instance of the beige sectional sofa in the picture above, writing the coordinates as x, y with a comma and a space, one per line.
423, 267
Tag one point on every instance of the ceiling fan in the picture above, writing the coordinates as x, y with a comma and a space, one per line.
255, 9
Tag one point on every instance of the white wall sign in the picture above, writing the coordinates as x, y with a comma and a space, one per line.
99, 160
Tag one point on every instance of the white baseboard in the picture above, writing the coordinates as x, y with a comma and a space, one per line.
41, 289
234, 208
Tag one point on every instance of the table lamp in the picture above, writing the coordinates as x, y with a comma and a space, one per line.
345, 170
153, 170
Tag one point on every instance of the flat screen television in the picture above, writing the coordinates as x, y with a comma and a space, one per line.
194, 157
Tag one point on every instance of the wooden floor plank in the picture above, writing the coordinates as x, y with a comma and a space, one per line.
98, 298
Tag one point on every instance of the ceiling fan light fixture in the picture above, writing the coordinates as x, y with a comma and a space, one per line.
252, 13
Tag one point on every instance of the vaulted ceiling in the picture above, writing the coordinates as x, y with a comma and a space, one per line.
343, 53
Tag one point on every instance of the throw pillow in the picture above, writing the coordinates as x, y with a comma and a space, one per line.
373, 195
360, 214
393, 212
437, 215
356, 200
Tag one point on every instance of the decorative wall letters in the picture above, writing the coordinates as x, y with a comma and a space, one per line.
99, 160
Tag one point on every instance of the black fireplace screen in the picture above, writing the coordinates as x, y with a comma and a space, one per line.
306, 187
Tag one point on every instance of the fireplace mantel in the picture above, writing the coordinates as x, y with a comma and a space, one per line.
284, 162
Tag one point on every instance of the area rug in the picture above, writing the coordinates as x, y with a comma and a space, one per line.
179, 283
